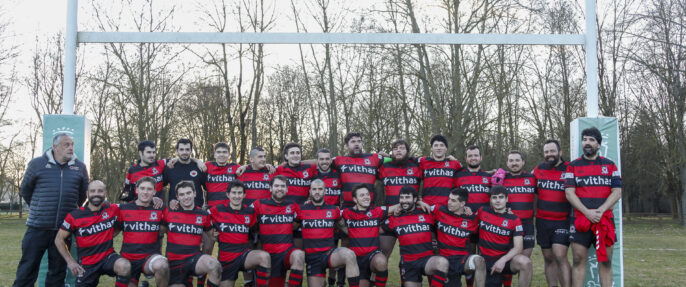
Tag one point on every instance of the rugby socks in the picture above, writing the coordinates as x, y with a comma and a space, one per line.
262, 277
201, 281
340, 273
249, 277
122, 281
438, 279
332, 280
295, 279
507, 280
381, 277
354, 281
470, 280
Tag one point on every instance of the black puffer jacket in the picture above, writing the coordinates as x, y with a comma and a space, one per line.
53, 190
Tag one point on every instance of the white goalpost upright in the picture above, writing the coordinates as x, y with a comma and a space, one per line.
588, 40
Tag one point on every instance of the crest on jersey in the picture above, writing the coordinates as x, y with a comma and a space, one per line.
230, 170
526, 181
105, 215
328, 214
421, 218
153, 216
464, 224
266, 176
366, 161
198, 220
604, 170
484, 179
334, 182
369, 214
505, 222
447, 164
306, 174
288, 209
247, 219
155, 171
194, 173
409, 171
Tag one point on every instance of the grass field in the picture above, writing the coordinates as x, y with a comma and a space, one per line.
654, 254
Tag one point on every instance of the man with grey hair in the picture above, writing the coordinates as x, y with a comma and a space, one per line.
54, 184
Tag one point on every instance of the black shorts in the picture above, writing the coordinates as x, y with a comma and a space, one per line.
365, 264
317, 263
456, 270
549, 232
93, 272
230, 269
412, 271
584, 238
137, 268
281, 262
529, 238
496, 279
181, 271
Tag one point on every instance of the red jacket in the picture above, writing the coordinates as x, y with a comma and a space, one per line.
604, 232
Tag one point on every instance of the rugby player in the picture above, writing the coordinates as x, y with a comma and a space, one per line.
356, 167
593, 187
187, 169
552, 215
521, 192
234, 221
401, 171
276, 216
256, 177
93, 226
454, 228
220, 173
438, 172
146, 166
299, 175
318, 221
414, 228
501, 240
140, 223
187, 229
474, 179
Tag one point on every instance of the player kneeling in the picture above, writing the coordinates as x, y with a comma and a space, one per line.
234, 222
93, 226
498, 230
187, 228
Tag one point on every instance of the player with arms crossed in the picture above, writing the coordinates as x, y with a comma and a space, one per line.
93, 226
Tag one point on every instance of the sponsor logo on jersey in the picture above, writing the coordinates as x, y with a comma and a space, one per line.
551, 185
604, 170
317, 223
153, 215
421, 218
306, 174
198, 219
220, 178
472, 188
593, 180
521, 189
494, 229
288, 209
400, 180
334, 182
362, 223
194, 173
95, 228
233, 228
354, 168
328, 214
155, 171
266, 177
137, 226
229, 170
184, 228
484, 179
436, 172
454, 231
276, 219
464, 224
105, 215
505, 223
409, 171
296, 181
526, 181
247, 219
447, 164
412, 228
366, 161
369, 214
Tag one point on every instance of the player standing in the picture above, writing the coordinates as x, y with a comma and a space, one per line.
256, 177
299, 175
521, 192
593, 187
93, 226
438, 172
186, 169
219, 174
474, 179
356, 167
146, 166
331, 177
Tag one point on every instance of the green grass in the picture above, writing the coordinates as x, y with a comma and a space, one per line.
654, 253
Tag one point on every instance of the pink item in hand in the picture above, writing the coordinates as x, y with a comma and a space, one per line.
498, 177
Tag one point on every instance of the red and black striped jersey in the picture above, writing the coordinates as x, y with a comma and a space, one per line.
363, 228
453, 231
256, 184
276, 223
438, 179
299, 179
414, 231
552, 202
154, 170
93, 230
140, 226
217, 182
184, 231
332, 183
478, 184
593, 180
234, 227
521, 191
318, 223
396, 176
357, 170
496, 232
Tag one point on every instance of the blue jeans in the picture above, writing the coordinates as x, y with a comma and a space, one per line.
33, 246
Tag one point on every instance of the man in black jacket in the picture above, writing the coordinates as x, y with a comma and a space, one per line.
54, 184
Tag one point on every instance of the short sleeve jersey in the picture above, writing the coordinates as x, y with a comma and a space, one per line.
256, 184
299, 179
496, 232
185, 229
218, 178
414, 231
477, 184
233, 226
362, 169
140, 226
453, 231
438, 177
396, 176
318, 223
276, 224
593, 180
363, 228
521, 192
93, 230
136, 172
552, 202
